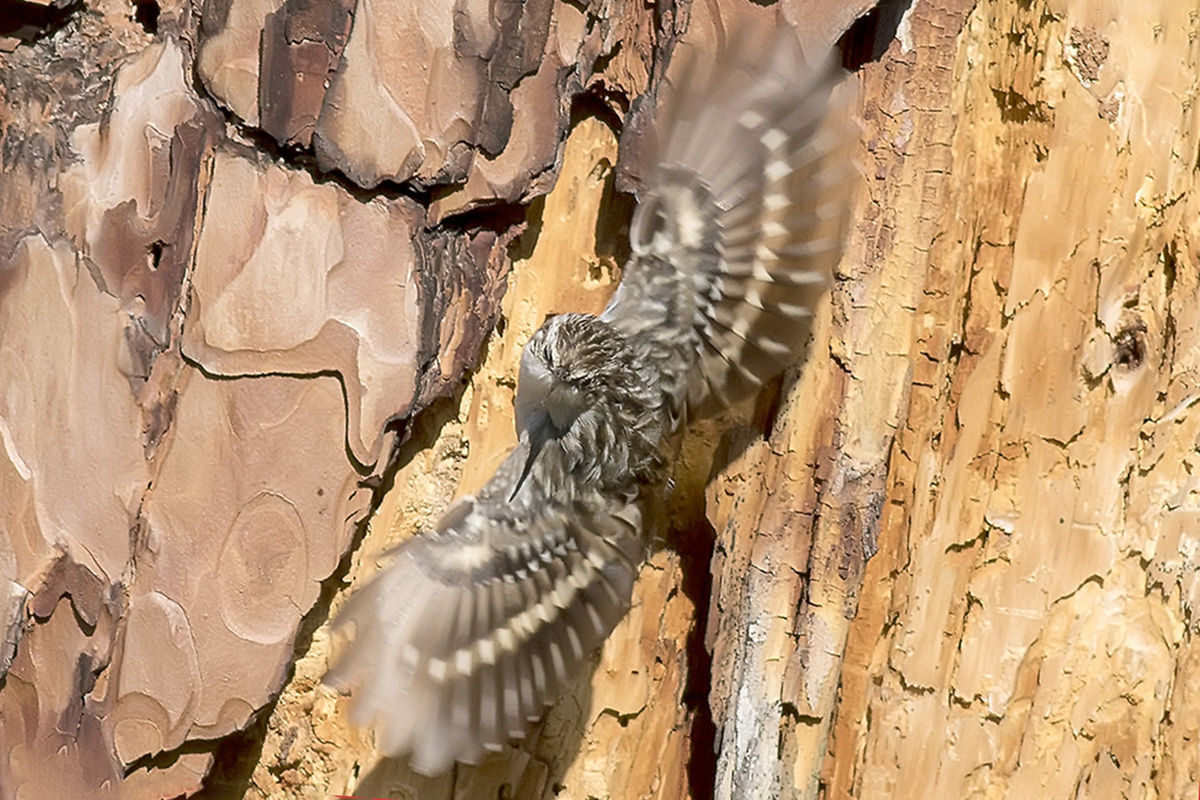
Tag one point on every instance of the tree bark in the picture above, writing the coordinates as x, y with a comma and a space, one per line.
266, 269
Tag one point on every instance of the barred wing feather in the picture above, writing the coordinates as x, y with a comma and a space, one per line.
749, 205
474, 629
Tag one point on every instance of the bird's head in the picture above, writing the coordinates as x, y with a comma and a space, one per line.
569, 360
560, 368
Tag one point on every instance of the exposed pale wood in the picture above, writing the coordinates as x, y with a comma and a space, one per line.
1028, 627
208, 346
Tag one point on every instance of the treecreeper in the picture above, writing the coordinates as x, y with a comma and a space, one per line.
474, 628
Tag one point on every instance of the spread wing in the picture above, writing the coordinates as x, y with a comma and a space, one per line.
475, 628
741, 223
471, 631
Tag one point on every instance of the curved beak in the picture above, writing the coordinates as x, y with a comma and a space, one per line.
534, 443
545, 409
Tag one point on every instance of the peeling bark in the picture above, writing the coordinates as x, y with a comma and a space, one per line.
263, 279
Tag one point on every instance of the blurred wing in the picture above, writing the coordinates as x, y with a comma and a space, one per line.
744, 218
473, 630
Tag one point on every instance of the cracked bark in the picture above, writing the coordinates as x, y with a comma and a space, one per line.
236, 323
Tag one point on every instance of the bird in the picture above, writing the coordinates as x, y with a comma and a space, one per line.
461, 643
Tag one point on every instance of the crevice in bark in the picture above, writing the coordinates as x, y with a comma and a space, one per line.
1170, 330
912, 688
304, 159
199, 366
1130, 343
871, 34
694, 543
978, 540
1015, 107
245, 748
497, 216
789, 711
145, 13
595, 102
623, 719
28, 22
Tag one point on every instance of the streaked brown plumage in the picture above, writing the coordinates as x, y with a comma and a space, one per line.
479, 625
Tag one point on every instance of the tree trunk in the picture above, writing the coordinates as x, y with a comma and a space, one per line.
265, 273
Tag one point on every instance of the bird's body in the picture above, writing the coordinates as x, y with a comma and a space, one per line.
479, 625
